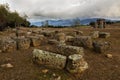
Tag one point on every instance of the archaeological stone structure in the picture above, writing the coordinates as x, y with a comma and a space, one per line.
101, 47
104, 34
49, 59
83, 41
74, 63
7, 45
100, 23
69, 50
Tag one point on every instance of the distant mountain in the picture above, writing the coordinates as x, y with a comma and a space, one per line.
67, 22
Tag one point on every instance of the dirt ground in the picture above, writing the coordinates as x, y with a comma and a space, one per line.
100, 67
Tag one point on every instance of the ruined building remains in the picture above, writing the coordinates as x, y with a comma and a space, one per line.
100, 23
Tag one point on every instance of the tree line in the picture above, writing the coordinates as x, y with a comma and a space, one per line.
11, 19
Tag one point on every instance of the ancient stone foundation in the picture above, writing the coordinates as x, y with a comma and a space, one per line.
49, 59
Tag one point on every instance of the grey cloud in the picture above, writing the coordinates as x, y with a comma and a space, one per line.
67, 8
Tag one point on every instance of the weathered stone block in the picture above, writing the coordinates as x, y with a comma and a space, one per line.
75, 33
69, 38
22, 43
83, 41
48, 33
35, 41
94, 34
53, 42
60, 37
79, 33
76, 64
101, 47
69, 50
104, 35
8, 45
20, 33
49, 59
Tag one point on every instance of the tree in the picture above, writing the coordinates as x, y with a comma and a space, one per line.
12, 19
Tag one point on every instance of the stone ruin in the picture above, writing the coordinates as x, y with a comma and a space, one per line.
7, 45
73, 62
101, 47
69, 57
82, 41
100, 23
49, 59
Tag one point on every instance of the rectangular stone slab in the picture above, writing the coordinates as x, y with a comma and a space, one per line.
49, 59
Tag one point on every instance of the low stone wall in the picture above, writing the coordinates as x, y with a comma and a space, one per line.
49, 59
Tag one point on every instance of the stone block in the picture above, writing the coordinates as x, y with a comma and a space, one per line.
101, 46
7, 45
76, 64
83, 41
69, 50
94, 34
60, 37
49, 59
35, 41
22, 43
104, 35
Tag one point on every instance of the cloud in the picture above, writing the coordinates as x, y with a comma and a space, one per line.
55, 9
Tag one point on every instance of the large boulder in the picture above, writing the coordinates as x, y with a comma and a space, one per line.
94, 34
76, 64
100, 46
7, 45
69, 50
104, 34
83, 41
49, 59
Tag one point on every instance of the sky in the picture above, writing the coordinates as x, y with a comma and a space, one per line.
64, 9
